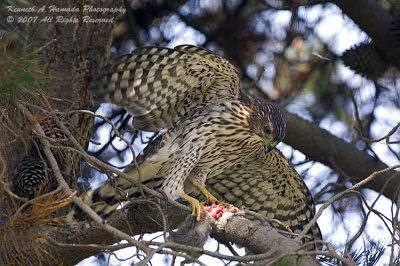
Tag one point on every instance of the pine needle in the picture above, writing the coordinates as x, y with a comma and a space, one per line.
22, 241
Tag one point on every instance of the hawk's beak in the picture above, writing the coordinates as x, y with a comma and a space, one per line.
272, 146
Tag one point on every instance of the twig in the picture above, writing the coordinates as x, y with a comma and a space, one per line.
261, 71
2, 172
341, 194
61, 182
395, 225
385, 137
118, 134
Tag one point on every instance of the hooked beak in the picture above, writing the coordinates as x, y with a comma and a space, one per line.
272, 146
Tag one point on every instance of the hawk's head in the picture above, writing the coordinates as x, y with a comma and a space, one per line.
265, 120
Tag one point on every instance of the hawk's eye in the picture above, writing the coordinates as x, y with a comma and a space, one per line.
267, 130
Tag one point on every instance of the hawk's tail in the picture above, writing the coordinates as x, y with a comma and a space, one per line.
112, 195
117, 192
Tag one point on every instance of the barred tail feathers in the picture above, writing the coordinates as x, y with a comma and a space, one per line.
108, 197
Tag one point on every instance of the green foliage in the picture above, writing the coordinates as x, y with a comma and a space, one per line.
20, 64
282, 262
19, 3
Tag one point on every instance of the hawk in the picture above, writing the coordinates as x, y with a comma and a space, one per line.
266, 183
213, 125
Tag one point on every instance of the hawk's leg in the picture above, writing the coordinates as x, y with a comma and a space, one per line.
196, 205
210, 198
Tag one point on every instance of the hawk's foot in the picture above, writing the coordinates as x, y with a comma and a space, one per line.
210, 198
196, 205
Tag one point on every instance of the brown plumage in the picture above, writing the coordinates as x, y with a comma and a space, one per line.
213, 124
268, 184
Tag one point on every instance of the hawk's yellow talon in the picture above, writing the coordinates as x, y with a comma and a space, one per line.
196, 205
209, 197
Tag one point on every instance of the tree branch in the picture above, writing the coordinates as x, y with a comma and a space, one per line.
258, 238
263, 240
321, 146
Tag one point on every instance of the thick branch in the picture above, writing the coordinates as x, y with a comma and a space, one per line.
320, 145
143, 218
258, 238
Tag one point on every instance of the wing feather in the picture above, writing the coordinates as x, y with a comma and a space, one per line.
158, 85
267, 184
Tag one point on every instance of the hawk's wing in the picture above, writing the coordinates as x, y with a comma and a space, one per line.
266, 183
158, 85
269, 185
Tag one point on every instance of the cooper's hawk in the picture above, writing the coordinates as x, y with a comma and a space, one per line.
213, 124
266, 183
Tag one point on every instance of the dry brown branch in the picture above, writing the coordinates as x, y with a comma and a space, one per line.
395, 258
272, 245
235, 234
